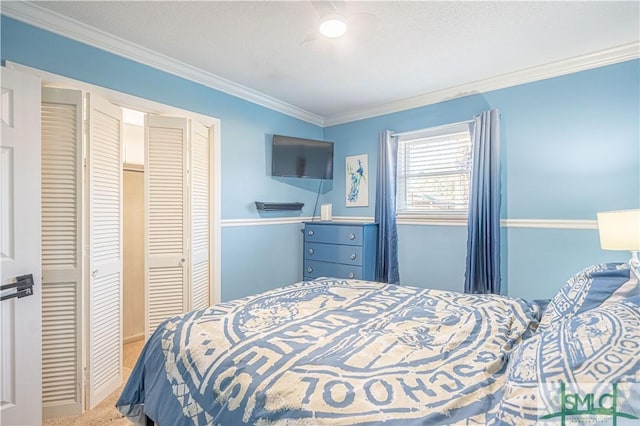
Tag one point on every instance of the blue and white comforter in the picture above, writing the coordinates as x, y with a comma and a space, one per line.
330, 352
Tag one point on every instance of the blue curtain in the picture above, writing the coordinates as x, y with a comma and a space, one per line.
483, 239
387, 256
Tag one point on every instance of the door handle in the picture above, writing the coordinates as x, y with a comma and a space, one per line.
94, 273
23, 286
181, 261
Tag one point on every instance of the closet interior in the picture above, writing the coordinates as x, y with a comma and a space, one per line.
133, 226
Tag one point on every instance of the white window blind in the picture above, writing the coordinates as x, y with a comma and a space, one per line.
434, 171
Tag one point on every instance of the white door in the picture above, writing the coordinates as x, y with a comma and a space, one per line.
200, 156
20, 326
104, 153
166, 219
61, 252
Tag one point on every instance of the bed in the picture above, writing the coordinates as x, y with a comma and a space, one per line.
346, 352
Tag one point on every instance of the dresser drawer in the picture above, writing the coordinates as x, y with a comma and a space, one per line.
314, 269
350, 255
333, 234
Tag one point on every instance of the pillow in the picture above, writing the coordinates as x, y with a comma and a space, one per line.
589, 353
588, 289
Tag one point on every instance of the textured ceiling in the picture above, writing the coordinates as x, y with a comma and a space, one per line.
415, 48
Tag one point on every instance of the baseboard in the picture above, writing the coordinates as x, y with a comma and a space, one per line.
133, 338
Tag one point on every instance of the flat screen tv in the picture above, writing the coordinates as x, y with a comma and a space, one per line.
304, 158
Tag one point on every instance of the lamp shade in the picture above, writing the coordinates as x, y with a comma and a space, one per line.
619, 230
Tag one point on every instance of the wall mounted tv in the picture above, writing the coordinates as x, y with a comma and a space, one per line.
298, 157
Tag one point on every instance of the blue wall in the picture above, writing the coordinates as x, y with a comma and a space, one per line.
570, 148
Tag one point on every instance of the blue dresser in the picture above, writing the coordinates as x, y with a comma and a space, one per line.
340, 250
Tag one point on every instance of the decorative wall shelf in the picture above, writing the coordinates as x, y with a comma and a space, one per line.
272, 206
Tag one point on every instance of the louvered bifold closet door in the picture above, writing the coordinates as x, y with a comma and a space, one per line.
61, 251
105, 249
200, 173
166, 218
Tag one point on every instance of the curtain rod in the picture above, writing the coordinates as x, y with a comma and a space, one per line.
441, 127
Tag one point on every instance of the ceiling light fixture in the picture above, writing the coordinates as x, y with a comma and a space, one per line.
333, 26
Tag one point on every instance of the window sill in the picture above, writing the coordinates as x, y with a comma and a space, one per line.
427, 219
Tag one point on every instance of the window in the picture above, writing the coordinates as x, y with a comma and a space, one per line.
434, 172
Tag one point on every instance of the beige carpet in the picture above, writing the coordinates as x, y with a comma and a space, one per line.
106, 412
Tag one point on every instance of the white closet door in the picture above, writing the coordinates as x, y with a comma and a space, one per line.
20, 241
200, 216
105, 249
166, 219
61, 251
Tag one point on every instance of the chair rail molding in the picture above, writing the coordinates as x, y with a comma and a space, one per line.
422, 221
550, 223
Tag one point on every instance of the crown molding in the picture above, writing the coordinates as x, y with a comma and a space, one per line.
64, 26
625, 52
53, 22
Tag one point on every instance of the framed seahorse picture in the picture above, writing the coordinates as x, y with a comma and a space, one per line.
357, 180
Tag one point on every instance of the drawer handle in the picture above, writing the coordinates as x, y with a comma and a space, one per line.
352, 275
352, 236
309, 269
353, 256
310, 232
311, 251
